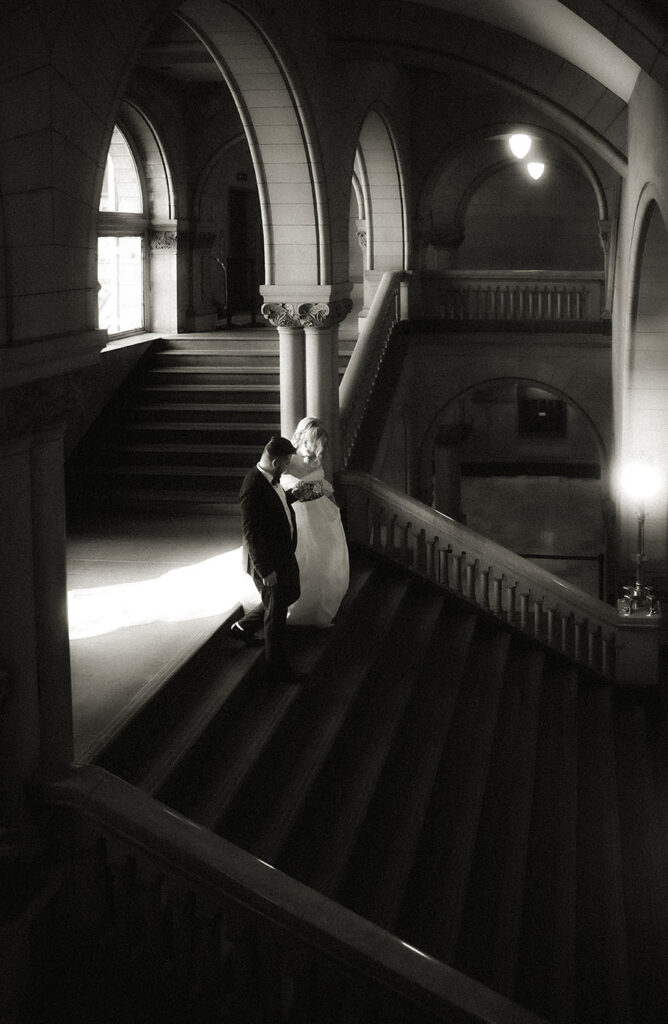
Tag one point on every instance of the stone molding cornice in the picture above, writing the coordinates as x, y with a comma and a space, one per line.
307, 315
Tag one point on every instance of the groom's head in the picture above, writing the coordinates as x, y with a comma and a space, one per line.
277, 454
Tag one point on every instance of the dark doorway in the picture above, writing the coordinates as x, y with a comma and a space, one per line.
243, 296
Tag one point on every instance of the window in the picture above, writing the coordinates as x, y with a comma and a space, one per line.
542, 417
120, 247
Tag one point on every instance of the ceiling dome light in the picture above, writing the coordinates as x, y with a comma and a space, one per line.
536, 170
519, 145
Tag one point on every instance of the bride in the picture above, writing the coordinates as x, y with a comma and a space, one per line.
322, 551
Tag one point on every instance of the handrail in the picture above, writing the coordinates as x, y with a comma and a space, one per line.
624, 650
367, 357
168, 866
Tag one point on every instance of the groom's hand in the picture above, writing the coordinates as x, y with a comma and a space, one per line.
271, 580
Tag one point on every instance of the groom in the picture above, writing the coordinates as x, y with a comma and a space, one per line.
269, 540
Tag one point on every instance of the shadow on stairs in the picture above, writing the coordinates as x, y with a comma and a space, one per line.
444, 776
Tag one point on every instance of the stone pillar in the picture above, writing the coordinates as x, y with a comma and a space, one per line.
36, 734
163, 278
321, 327
20, 716
292, 360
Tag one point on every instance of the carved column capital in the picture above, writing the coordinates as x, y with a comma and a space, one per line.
281, 314
323, 315
162, 241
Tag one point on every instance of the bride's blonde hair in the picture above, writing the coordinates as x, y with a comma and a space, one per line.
310, 436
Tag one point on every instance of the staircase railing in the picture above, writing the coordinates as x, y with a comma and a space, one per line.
223, 929
623, 650
367, 357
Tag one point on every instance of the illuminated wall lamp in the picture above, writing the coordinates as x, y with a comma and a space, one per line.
639, 482
519, 145
536, 170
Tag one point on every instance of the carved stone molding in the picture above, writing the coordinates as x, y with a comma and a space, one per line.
321, 315
162, 241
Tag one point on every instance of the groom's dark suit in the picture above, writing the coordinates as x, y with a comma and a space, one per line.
269, 546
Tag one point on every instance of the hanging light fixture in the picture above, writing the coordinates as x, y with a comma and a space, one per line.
536, 170
520, 145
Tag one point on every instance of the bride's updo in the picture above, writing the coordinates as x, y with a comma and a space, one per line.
310, 438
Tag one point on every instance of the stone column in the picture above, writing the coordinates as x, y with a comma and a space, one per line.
321, 328
292, 362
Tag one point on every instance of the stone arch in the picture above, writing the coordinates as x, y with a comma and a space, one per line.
469, 163
378, 170
562, 512
576, 390
152, 161
277, 124
643, 372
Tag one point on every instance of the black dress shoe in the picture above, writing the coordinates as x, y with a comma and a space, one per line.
245, 636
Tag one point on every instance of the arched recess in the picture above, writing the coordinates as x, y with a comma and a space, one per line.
462, 170
644, 368
523, 463
217, 258
281, 140
161, 215
378, 183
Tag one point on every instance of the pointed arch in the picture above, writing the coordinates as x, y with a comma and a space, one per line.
378, 170
281, 139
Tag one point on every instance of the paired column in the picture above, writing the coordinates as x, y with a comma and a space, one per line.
309, 363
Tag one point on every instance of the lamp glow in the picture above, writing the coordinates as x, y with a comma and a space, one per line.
536, 170
519, 145
640, 481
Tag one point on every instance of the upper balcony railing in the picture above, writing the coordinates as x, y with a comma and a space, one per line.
517, 296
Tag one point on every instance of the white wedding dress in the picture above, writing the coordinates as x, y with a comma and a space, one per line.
322, 551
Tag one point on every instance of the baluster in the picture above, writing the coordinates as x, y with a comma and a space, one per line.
578, 640
560, 297
550, 303
457, 562
512, 302
523, 303
485, 578
593, 646
420, 561
404, 557
497, 602
580, 303
431, 557
511, 611
539, 303
444, 557
503, 296
538, 618
524, 612
565, 620
607, 656
551, 615
471, 573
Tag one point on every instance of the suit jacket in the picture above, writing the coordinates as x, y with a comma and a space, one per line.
267, 543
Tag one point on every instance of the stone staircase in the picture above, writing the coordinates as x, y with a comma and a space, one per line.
185, 427
447, 778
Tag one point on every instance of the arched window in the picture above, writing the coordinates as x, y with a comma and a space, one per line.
122, 225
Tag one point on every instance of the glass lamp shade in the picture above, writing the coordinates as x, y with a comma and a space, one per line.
520, 145
536, 170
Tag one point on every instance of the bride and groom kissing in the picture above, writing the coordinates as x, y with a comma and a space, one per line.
294, 546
